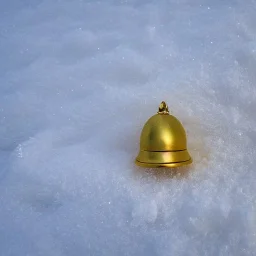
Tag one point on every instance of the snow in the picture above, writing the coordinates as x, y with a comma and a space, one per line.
78, 79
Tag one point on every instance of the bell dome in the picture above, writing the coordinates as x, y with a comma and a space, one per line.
163, 141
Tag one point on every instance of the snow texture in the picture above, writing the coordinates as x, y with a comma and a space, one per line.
78, 80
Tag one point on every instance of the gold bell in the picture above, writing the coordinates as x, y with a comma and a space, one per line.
163, 141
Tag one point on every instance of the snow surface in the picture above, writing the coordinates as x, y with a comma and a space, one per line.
78, 79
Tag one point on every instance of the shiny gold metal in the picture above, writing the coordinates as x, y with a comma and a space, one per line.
163, 141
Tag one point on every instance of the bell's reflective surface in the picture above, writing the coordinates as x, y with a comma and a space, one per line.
163, 141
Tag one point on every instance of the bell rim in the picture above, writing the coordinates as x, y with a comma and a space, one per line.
164, 165
156, 158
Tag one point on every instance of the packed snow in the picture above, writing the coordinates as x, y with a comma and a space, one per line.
78, 80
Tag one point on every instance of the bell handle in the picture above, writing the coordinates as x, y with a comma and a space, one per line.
163, 109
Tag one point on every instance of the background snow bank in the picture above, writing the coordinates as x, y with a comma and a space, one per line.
78, 81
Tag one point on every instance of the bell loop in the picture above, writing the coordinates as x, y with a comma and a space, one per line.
163, 109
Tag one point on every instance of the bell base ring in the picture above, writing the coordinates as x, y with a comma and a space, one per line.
164, 165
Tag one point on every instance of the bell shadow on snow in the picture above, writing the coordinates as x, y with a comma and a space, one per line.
162, 173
